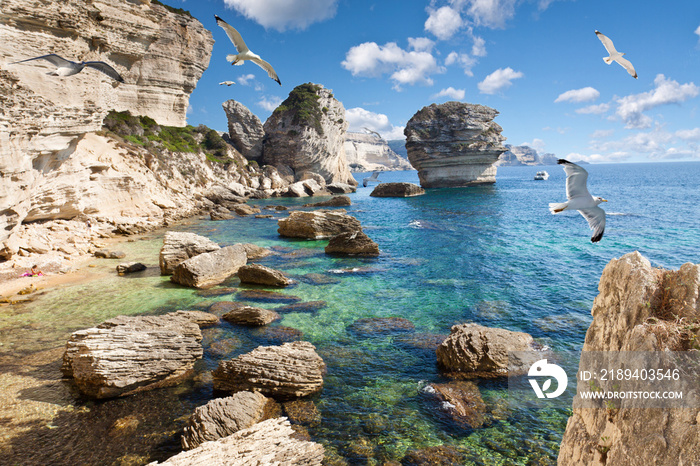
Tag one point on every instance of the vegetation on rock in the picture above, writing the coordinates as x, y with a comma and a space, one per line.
303, 102
172, 9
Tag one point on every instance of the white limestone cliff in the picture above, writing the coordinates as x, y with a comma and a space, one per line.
369, 152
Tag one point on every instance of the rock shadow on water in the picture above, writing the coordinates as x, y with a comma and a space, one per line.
275, 334
305, 306
265, 296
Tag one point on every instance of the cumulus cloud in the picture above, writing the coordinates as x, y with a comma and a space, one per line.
421, 44
689, 134
245, 79
463, 60
479, 47
285, 14
444, 22
358, 118
594, 109
602, 133
491, 13
537, 144
451, 92
584, 94
404, 66
697, 31
270, 103
499, 80
667, 91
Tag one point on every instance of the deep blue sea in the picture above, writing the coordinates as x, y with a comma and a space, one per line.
493, 255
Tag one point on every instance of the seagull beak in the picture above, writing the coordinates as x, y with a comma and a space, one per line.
605, 200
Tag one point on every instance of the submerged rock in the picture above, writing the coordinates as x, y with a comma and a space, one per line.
443, 455
288, 371
454, 144
266, 296
381, 326
277, 334
210, 268
397, 190
459, 401
306, 306
260, 275
179, 246
249, 315
352, 243
318, 224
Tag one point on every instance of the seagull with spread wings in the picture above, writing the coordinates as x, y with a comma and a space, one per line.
227, 83
68, 68
244, 52
615, 55
580, 199
371, 179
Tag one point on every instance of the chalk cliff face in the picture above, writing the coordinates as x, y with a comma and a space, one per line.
369, 152
306, 133
516, 156
639, 308
44, 119
245, 131
454, 144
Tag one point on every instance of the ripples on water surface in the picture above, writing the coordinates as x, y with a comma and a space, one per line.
492, 255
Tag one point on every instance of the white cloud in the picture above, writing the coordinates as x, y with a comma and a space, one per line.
697, 31
189, 110
598, 158
602, 133
444, 22
285, 14
451, 92
359, 118
421, 44
270, 103
585, 94
463, 59
499, 80
667, 91
479, 47
689, 134
406, 67
537, 144
244, 80
491, 13
594, 109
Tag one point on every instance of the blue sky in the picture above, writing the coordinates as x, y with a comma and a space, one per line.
538, 62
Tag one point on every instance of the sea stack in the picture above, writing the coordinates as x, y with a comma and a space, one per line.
454, 144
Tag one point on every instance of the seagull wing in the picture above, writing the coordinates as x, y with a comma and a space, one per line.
51, 58
105, 68
232, 34
627, 65
267, 67
375, 175
576, 179
595, 216
607, 43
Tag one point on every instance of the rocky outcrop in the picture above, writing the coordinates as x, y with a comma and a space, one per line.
352, 243
369, 152
319, 224
251, 316
257, 274
126, 355
178, 246
291, 370
458, 401
270, 442
245, 131
222, 417
306, 133
304, 188
44, 119
475, 350
210, 268
638, 308
454, 144
397, 190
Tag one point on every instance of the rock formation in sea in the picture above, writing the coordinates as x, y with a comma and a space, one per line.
318, 224
257, 274
369, 152
355, 243
210, 268
245, 130
516, 156
397, 190
178, 246
454, 144
306, 133
639, 308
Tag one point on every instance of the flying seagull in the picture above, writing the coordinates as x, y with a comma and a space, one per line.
227, 83
369, 131
615, 55
580, 199
243, 52
68, 68
374, 177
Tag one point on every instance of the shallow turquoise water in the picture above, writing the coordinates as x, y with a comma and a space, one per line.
491, 254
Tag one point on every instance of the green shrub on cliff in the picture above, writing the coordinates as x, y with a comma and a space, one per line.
172, 9
144, 131
303, 102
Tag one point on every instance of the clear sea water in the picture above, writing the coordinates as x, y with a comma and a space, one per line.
493, 255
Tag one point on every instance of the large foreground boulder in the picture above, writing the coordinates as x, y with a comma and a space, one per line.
211, 268
319, 224
178, 246
270, 442
222, 417
352, 243
126, 355
288, 371
475, 350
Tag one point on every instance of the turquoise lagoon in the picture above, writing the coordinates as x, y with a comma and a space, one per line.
493, 255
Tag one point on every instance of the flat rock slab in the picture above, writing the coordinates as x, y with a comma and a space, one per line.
318, 224
129, 354
341, 188
381, 326
355, 243
257, 274
201, 318
397, 190
335, 201
222, 417
210, 268
289, 371
271, 442
249, 315
178, 246
264, 296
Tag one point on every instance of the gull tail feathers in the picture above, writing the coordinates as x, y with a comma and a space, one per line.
556, 207
607, 60
232, 58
